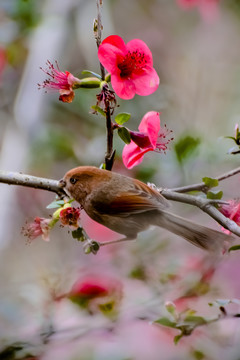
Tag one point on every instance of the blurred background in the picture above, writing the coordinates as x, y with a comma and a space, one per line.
197, 56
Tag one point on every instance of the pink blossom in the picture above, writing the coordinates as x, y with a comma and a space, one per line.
97, 293
130, 66
70, 217
207, 8
40, 227
151, 137
231, 211
63, 82
3, 60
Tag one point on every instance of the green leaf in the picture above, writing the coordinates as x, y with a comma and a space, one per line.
209, 182
122, 118
198, 355
234, 248
98, 110
195, 320
124, 134
214, 195
78, 234
177, 338
89, 72
186, 147
102, 166
166, 322
55, 204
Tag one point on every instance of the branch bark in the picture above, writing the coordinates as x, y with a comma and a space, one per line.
14, 178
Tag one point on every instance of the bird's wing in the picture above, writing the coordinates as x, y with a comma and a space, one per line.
139, 199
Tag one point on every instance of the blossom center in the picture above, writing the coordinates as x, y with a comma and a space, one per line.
131, 62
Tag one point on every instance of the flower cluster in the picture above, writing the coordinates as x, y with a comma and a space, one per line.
68, 216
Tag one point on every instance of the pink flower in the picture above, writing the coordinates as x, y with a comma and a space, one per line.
63, 82
150, 138
207, 8
130, 66
231, 211
70, 217
40, 227
97, 293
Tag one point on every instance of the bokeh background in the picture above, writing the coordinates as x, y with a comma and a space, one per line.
197, 56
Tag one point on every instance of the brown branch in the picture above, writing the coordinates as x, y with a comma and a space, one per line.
109, 156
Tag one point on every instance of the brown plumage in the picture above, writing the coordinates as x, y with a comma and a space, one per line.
128, 206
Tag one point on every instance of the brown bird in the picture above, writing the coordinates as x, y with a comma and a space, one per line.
128, 206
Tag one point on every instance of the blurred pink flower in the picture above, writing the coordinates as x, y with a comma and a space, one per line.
97, 293
207, 8
40, 227
3, 60
70, 216
130, 66
63, 82
151, 137
231, 211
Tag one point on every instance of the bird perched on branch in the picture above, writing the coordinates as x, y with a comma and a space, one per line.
129, 206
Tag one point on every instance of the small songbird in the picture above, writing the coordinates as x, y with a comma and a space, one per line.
128, 206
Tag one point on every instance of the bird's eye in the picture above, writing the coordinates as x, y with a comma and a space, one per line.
73, 180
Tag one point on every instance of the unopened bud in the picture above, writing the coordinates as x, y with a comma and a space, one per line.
88, 83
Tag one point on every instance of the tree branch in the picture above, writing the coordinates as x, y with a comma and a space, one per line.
206, 205
202, 186
14, 178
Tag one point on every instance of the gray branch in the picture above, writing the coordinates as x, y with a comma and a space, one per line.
14, 178
202, 186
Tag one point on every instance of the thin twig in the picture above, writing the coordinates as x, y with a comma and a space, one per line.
202, 186
109, 156
98, 33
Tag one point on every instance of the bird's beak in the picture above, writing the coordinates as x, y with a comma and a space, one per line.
62, 183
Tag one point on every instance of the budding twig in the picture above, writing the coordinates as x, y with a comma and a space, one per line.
98, 33
202, 186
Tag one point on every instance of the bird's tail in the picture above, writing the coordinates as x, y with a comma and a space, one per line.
196, 234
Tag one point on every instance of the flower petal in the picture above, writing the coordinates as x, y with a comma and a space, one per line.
116, 41
111, 51
150, 125
147, 82
132, 155
124, 88
140, 46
